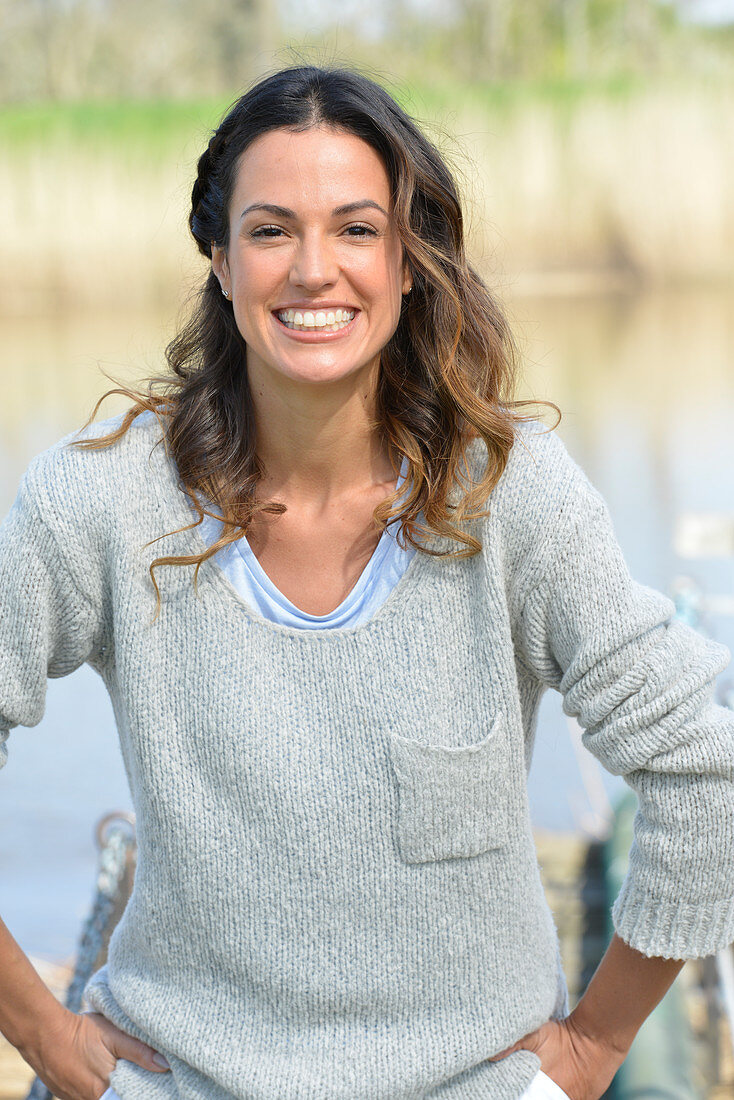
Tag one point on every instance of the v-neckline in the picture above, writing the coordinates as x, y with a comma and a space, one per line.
247, 554
179, 508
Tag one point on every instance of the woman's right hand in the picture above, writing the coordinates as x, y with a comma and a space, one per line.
75, 1055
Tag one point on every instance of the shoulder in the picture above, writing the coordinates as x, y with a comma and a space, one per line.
72, 485
540, 475
540, 496
67, 462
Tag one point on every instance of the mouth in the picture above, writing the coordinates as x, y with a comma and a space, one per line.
315, 321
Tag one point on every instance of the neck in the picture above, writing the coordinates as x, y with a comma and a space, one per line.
318, 442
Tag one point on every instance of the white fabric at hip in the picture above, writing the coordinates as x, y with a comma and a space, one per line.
543, 1088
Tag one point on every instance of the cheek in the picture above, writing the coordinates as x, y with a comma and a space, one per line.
394, 282
384, 279
391, 290
255, 275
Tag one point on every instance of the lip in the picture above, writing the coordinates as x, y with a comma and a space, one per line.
316, 337
314, 306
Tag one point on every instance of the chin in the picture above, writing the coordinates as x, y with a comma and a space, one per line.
321, 372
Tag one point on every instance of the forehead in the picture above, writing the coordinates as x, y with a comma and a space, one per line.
316, 165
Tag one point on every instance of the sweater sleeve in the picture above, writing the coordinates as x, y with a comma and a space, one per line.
48, 625
640, 684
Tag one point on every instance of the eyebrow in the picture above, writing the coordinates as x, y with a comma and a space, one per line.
284, 212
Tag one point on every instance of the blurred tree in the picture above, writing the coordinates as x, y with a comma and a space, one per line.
71, 49
487, 24
534, 39
576, 37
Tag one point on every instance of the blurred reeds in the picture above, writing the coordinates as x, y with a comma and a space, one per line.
566, 186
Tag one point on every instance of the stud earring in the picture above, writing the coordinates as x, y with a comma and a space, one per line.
225, 293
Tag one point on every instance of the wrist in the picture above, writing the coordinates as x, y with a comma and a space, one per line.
31, 1033
590, 1030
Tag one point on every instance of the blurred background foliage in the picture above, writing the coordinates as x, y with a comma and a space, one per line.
62, 50
591, 138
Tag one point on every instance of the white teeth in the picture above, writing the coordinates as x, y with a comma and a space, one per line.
307, 319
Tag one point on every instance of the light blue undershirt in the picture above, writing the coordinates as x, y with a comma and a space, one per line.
378, 578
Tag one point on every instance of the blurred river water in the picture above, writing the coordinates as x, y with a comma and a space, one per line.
646, 385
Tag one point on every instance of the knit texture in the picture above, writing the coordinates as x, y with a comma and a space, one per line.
337, 893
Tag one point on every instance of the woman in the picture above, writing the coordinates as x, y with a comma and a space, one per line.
337, 892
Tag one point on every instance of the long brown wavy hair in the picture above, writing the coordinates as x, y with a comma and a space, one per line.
447, 375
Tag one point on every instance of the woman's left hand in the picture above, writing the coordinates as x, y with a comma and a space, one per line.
582, 1065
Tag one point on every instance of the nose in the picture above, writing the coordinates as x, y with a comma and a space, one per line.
314, 262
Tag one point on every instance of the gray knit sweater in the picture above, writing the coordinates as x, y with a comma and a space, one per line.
337, 893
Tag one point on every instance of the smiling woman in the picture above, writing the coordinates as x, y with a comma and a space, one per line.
327, 737
340, 333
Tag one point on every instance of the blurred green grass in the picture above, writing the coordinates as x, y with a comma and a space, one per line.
156, 125
164, 125
622, 181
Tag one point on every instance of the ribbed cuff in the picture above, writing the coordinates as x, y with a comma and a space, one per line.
672, 929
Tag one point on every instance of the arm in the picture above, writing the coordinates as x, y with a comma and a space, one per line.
641, 685
48, 627
624, 990
27, 1006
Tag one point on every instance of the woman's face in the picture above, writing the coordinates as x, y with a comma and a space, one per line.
311, 233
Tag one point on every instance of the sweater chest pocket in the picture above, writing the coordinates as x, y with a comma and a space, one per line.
452, 801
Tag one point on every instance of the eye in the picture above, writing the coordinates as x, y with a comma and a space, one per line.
266, 231
362, 230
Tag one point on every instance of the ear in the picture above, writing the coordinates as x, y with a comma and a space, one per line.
220, 267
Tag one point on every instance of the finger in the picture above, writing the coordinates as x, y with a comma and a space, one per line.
504, 1053
133, 1050
528, 1042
